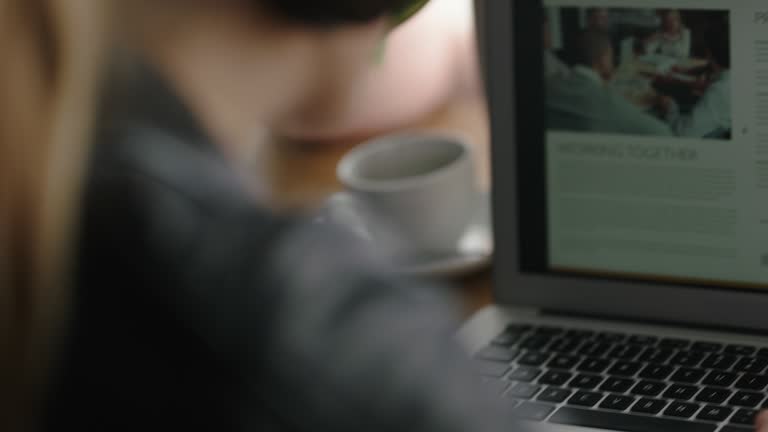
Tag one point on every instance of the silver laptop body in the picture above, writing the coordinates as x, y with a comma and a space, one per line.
696, 291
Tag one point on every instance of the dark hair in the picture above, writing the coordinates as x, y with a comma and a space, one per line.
592, 46
593, 10
334, 12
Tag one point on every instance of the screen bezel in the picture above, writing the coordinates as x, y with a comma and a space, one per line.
510, 49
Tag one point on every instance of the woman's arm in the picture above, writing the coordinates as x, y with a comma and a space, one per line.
355, 349
326, 341
310, 327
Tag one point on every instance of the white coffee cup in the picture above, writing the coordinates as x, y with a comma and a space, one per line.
422, 186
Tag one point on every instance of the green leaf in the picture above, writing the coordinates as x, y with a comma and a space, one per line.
409, 11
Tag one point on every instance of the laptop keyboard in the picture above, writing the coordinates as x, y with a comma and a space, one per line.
626, 382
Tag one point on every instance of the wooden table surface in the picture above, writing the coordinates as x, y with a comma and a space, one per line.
302, 175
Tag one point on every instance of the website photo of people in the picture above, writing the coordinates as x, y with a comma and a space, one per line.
643, 72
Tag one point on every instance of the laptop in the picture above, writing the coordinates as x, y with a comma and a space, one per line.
631, 213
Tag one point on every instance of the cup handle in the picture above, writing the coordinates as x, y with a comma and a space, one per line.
346, 210
354, 214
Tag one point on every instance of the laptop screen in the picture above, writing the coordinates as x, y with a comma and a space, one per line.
656, 142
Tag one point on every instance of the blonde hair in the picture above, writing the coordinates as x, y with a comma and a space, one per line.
48, 82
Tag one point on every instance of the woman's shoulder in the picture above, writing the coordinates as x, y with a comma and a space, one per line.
149, 159
155, 195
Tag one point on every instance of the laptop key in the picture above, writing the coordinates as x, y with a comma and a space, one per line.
649, 388
656, 355
752, 382
719, 361
625, 422
612, 337
720, 379
714, 413
548, 330
672, 343
507, 339
616, 402
649, 406
708, 347
617, 385
565, 346
687, 359
523, 391
643, 340
681, 410
532, 411
595, 349
656, 372
742, 350
564, 362
713, 395
496, 353
556, 378
524, 374
594, 365
535, 342
731, 428
585, 399
579, 334
533, 358
490, 369
688, 376
681, 392
625, 369
625, 352
586, 382
555, 395
752, 365
746, 399
744, 417
762, 352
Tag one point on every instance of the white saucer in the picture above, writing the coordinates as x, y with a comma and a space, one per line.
473, 253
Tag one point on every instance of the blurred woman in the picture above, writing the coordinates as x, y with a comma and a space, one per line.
190, 307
